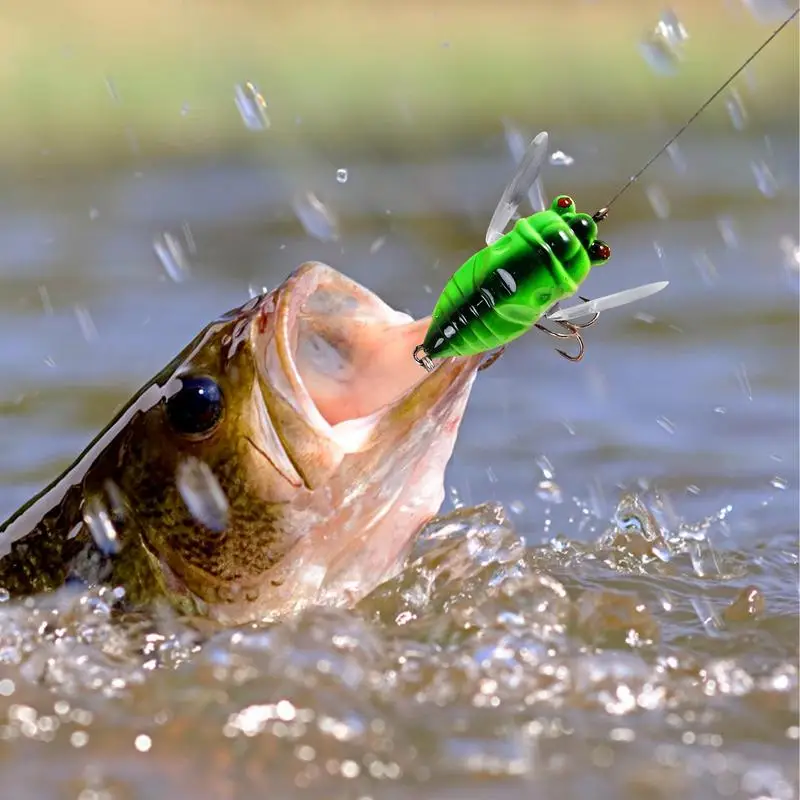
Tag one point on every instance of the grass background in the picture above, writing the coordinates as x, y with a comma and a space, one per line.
93, 80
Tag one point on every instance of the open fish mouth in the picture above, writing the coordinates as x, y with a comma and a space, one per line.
342, 359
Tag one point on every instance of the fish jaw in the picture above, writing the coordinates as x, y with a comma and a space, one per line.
368, 431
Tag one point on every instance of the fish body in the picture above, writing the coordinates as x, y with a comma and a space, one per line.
325, 447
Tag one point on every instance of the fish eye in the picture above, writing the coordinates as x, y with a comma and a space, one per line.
563, 203
599, 252
196, 408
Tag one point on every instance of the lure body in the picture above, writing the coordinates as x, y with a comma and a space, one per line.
503, 290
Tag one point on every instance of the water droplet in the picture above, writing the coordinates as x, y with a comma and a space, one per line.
455, 498
707, 615
779, 483
44, 295
744, 381
658, 200
676, 157
517, 506
202, 494
341, 175
86, 323
666, 424
93, 213
545, 465
98, 521
766, 11
560, 159
377, 245
705, 266
728, 232
171, 257
791, 253
736, 110
317, 219
765, 181
112, 89
252, 107
254, 292
662, 48
189, 238
143, 743
720, 410
79, 738
704, 559
549, 491
116, 499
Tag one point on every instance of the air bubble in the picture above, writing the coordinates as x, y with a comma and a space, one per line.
341, 176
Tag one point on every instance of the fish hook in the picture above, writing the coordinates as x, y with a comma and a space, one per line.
492, 358
574, 333
595, 316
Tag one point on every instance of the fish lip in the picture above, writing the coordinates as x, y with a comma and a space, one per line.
437, 390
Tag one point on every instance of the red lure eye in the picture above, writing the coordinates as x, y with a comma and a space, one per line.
600, 250
564, 202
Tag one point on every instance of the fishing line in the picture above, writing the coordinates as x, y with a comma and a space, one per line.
600, 215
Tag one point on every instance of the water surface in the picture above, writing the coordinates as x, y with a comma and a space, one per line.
611, 612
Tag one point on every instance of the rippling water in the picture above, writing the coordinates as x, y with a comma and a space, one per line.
610, 609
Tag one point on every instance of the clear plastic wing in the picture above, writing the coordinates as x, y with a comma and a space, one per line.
527, 171
608, 301
515, 140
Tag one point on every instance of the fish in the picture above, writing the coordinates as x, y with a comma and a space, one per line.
287, 457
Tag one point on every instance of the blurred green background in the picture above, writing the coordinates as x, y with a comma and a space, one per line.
413, 77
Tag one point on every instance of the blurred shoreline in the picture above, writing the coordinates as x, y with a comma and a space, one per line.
87, 82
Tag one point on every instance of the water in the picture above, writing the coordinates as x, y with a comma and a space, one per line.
611, 611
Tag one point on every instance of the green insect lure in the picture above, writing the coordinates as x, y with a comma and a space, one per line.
503, 290
522, 276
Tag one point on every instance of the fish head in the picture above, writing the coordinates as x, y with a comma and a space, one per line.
295, 451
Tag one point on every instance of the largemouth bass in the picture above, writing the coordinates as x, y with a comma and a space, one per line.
328, 443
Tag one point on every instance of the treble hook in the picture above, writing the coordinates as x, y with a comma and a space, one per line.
595, 316
574, 333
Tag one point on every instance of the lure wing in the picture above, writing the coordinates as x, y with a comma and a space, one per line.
527, 172
516, 145
607, 301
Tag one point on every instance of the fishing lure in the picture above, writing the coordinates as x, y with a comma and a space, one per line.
521, 277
